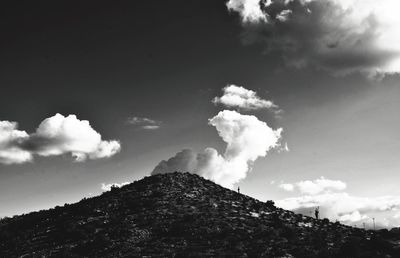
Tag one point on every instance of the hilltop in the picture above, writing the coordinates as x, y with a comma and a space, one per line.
182, 215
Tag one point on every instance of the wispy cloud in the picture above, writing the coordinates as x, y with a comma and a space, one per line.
144, 123
56, 135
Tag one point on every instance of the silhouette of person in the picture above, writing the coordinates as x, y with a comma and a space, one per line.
317, 212
238, 189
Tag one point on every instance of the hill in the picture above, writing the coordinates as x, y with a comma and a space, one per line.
182, 215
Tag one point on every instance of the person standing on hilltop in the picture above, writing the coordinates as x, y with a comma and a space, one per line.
317, 212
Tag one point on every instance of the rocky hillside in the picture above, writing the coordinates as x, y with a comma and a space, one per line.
182, 215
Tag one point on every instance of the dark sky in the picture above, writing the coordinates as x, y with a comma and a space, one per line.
108, 61
70, 56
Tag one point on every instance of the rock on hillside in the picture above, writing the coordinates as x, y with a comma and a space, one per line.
182, 215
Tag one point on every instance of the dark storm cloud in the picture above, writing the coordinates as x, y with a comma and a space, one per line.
55, 135
338, 36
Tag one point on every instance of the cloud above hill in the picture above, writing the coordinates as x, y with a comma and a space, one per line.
347, 208
183, 161
247, 139
56, 135
321, 185
339, 36
242, 98
336, 204
107, 187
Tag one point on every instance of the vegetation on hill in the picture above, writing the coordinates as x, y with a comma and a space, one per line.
183, 215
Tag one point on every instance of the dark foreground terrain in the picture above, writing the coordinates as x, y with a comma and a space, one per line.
183, 215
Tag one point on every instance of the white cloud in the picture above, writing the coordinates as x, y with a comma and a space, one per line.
283, 148
56, 135
317, 186
240, 97
60, 135
340, 36
347, 208
286, 147
10, 137
320, 185
107, 187
250, 10
247, 139
283, 15
287, 187
355, 216
144, 123
183, 161
105, 149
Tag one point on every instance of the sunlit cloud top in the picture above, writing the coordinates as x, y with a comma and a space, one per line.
340, 36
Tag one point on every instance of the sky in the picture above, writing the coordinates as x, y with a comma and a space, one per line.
294, 101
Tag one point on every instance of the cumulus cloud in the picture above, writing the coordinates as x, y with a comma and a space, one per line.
247, 139
107, 187
249, 10
317, 186
56, 135
184, 161
336, 204
144, 123
240, 97
287, 187
10, 138
347, 208
353, 217
340, 36
320, 185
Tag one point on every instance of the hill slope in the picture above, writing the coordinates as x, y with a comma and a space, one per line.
181, 215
